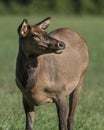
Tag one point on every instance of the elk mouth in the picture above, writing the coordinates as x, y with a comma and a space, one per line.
58, 51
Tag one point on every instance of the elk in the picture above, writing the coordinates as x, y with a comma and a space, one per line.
49, 68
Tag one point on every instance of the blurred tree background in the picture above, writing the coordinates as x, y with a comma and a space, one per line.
77, 7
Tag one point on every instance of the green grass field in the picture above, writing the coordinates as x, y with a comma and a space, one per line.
90, 110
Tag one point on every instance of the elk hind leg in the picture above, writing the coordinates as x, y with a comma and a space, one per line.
73, 99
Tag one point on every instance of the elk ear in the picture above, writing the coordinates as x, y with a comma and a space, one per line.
23, 29
44, 23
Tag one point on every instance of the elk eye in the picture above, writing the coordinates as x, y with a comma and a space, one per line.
35, 36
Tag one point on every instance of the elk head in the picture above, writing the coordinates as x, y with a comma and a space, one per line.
35, 40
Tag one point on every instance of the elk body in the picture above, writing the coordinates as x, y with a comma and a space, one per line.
49, 68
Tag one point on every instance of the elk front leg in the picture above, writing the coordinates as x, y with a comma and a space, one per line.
62, 110
29, 112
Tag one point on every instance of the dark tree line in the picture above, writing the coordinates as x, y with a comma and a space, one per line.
66, 6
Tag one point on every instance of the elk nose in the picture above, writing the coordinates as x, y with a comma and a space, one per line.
61, 45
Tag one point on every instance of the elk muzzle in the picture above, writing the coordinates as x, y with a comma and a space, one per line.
58, 47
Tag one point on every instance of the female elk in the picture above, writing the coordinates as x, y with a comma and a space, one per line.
50, 67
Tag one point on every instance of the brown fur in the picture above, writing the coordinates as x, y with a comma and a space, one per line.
44, 76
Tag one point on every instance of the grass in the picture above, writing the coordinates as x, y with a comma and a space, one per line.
90, 110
